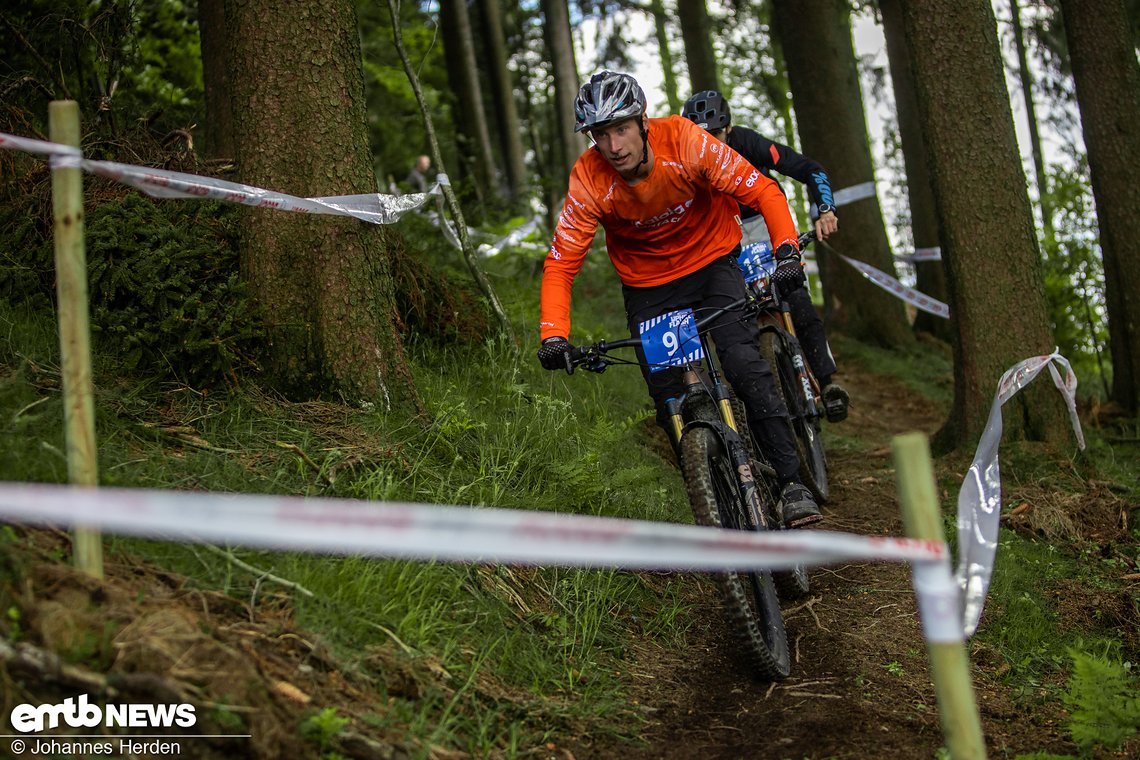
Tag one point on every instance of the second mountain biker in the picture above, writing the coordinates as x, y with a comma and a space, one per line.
710, 111
651, 184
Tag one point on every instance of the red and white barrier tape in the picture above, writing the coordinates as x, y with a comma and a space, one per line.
979, 500
431, 532
914, 297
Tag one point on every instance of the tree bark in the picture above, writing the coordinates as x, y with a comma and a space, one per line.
660, 19
1026, 79
462, 75
930, 275
322, 282
560, 43
503, 95
815, 36
696, 31
987, 233
1107, 77
219, 139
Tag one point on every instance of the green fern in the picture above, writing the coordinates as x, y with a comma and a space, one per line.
1103, 701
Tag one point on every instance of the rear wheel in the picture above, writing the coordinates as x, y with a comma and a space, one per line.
750, 598
806, 431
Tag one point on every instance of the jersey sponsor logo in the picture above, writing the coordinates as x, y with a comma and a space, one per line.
824, 186
752, 179
670, 215
555, 253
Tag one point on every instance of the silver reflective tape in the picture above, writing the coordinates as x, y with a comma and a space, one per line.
979, 499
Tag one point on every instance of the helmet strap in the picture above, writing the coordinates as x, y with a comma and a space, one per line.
644, 140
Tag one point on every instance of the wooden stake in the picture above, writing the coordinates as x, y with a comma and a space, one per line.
949, 665
74, 332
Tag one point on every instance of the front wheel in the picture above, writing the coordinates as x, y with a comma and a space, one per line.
805, 430
750, 598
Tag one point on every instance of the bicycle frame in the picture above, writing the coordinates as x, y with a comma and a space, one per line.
726, 428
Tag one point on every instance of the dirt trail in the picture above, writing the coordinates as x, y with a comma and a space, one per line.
860, 687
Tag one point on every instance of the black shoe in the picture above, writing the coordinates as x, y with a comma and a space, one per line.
798, 507
835, 401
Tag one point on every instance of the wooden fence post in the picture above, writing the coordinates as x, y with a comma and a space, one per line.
941, 615
74, 332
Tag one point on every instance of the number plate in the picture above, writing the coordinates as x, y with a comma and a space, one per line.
757, 261
670, 340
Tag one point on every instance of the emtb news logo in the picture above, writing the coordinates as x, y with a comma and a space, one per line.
78, 712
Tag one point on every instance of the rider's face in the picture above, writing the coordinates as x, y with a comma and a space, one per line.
720, 134
621, 145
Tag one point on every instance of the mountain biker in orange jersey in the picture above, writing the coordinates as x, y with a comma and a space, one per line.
709, 110
652, 185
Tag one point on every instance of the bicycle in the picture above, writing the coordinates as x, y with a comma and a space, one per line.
728, 483
796, 384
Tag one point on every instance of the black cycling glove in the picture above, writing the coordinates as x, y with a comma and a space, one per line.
789, 273
554, 354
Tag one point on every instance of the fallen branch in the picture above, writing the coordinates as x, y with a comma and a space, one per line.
261, 574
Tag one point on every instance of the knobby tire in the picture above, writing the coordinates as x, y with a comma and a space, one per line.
750, 598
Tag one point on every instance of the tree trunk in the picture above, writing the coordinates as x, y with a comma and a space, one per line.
561, 46
1107, 77
219, 125
997, 294
931, 275
815, 36
321, 282
1026, 79
462, 75
503, 92
696, 31
657, 9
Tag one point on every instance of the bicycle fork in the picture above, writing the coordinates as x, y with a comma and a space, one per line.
807, 381
734, 443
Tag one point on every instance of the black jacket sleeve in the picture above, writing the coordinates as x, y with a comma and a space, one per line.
768, 156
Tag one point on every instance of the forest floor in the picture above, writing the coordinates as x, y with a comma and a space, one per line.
860, 686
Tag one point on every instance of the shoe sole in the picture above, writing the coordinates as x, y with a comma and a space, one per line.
803, 522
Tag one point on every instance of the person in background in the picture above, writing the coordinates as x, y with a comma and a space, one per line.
709, 110
417, 178
653, 185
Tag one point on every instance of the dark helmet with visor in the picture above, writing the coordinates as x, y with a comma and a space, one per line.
606, 98
708, 109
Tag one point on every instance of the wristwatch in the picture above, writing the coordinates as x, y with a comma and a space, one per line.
825, 208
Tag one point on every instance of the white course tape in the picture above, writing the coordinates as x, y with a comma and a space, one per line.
979, 500
375, 208
423, 531
513, 237
914, 297
854, 193
939, 601
920, 255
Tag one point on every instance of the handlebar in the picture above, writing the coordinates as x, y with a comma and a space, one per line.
595, 357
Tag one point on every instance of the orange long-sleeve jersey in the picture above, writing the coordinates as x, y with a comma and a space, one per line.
669, 225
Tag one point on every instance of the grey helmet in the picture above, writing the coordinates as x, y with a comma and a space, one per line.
606, 98
708, 109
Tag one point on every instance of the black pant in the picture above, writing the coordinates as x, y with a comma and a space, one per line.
713, 287
809, 329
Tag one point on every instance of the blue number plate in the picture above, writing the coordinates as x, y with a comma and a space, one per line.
756, 260
670, 340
